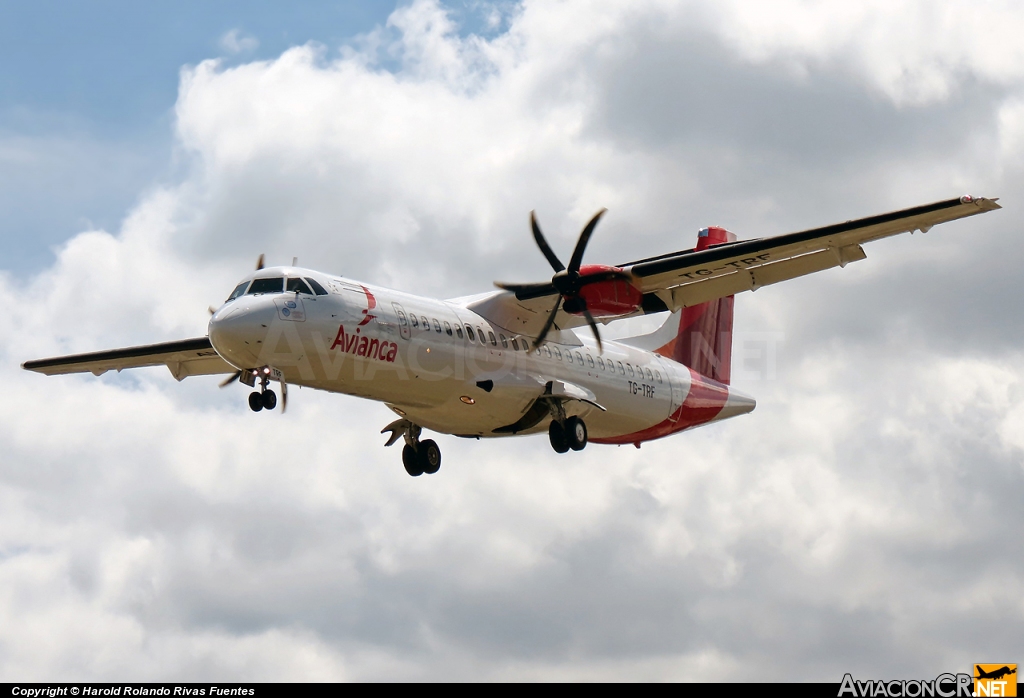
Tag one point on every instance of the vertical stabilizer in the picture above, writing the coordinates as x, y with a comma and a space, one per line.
699, 336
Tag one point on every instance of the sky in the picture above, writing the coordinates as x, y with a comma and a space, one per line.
864, 518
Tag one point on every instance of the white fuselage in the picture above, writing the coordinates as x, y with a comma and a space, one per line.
448, 369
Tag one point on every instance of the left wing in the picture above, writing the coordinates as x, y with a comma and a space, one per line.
689, 277
187, 357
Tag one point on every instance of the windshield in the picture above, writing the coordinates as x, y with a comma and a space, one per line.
275, 285
239, 290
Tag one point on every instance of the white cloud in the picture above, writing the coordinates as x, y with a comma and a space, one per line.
236, 41
858, 520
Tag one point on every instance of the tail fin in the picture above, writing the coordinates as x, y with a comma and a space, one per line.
699, 336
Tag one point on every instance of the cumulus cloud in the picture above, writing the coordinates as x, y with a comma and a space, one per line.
865, 518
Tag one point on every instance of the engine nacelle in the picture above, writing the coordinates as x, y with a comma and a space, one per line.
607, 298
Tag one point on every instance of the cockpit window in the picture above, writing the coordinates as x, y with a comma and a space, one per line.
275, 285
320, 290
298, 285
239, 290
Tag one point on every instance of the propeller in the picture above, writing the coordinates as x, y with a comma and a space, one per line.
231, 379
567, 281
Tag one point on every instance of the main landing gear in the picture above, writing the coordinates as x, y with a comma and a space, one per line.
572, 434
566, 432
418, 457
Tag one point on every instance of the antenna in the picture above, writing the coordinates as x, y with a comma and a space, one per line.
295, 261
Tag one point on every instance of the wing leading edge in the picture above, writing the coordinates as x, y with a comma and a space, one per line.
187, 357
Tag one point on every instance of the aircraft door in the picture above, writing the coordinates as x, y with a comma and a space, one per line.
679, 390
403, 321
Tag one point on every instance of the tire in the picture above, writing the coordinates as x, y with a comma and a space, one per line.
269, 400
556, 434
576, 433
429, 456
411, 461
255, 402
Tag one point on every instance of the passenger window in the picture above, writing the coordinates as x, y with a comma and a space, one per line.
447, 328
415, 322
647, 372
317, 288
657, 375
239, 290
590, 361
298, 285
504, 342
437, 326
547, 350
629, 370
558, 354
494, 342
458, 331
480, 334
600, 363
515, 344
267, 286
621, 369
568, 356
469, 333
426, 323
579, 359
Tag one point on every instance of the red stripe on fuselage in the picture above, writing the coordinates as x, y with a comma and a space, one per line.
702, 404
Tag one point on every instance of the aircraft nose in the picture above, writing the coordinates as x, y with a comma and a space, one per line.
238, 329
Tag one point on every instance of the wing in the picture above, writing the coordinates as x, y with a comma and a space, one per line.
689, 277
187, 357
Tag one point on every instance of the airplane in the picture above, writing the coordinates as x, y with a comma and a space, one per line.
995, 674
510, 362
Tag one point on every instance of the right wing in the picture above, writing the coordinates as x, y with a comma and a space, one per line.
186, 357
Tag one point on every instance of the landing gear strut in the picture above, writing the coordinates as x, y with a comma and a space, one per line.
418, 457
264, 398
566, 432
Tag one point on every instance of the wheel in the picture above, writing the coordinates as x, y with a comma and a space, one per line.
411, 461
556, 433
576, 433
255, 402
269, 400
430, 457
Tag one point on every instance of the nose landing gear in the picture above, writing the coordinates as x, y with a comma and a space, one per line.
264, 398
418, 457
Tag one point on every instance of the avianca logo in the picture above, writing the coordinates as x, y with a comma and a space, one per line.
363, 346
371, 303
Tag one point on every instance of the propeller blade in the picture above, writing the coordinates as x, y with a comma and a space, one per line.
581, 244
593, 328
259, 262
547, 325
284, 393
230, 379
527, 291
212, 310
552, 258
